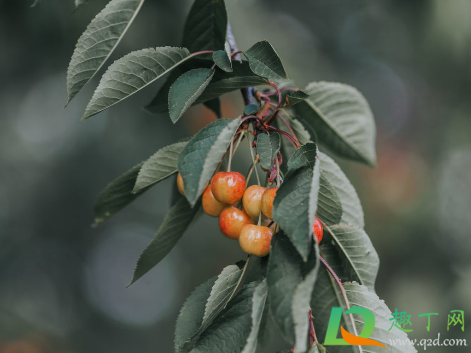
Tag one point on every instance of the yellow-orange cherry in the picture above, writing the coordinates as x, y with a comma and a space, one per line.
211, 206
228, 187
255, 240
231, 221
267, 202
252, 200
181, 189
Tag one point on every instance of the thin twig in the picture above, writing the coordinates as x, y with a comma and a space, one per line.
253, 159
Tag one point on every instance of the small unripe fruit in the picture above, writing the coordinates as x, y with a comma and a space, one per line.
318, 230
252, 200
180, 184
211, 206
255, 240
231, 221
228, 187
267, 202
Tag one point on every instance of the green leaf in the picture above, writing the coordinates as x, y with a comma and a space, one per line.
98, 41
191, 313
286, 271
160, 166
251, 109
294, 97
215, 106
131, 73
356, 252
329, 207
230, 330
317, 348
35, 3
352, 212
301, 299
341, 119
265, 62
206, 26
117, 195
175, 223
295, 204
258, 306
222, 58
186, 89
267, 148
202, 154
359, 295
222, 83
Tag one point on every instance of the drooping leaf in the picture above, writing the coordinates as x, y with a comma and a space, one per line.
186, 89
201, 155
258, 306
191, 313
301, 299
356, 252
294, 97
265, 62
222, 83
352, 212
206, 26
222, 58
175, 223
267, 148
215, 106
117, 195
160, 166
131, 73
286, 271
98, 41
359, 295
230, 330
329, 207
341, 119
295, 204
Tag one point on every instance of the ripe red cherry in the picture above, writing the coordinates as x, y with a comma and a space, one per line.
267, 202
231, 221
228, 187
211, 206
180, 184
255, 240
252, 200
318, 230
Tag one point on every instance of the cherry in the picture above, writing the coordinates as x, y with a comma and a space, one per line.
228, 187
231, 221
211, 206
180, 184
252, 200
255, 240
318, 230
267, 202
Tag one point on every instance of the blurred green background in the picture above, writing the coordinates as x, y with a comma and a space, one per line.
62, 283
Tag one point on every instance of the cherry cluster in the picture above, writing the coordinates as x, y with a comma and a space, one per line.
221, 198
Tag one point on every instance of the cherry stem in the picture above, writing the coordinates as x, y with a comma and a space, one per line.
291, 139
201, 53
312, 331
253, 159
289, 127
277, 91
278, 183
230, 156
236, 53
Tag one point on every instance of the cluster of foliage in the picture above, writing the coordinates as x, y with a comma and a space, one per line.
292, 290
